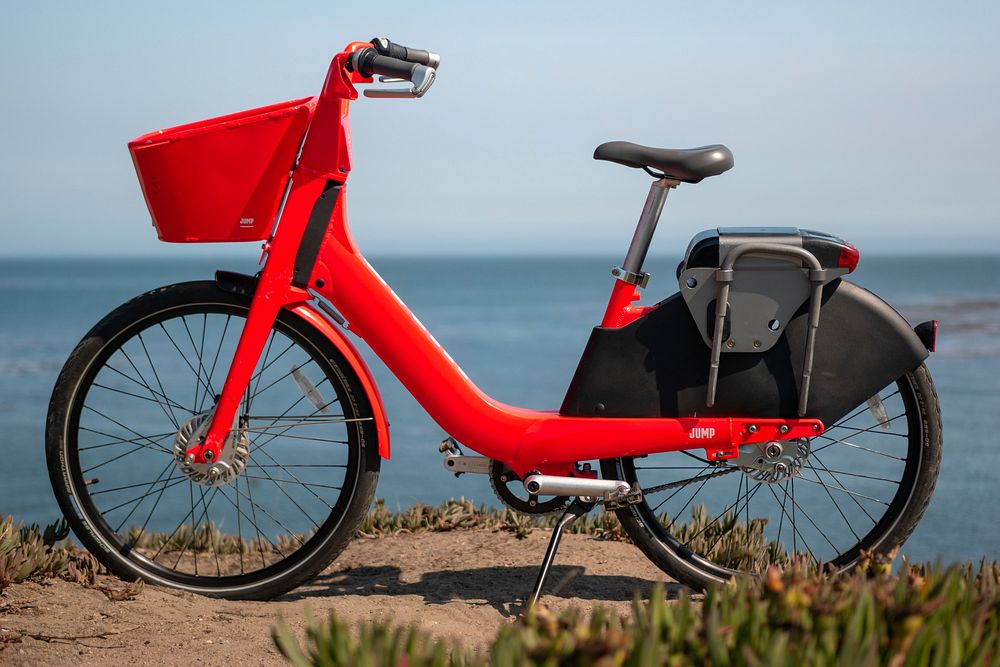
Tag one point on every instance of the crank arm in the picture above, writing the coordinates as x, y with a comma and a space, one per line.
459, 463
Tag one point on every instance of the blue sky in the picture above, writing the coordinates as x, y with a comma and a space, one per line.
879, 121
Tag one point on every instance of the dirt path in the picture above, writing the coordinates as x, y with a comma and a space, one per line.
461, 584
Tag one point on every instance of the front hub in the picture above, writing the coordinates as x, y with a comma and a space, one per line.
232, 458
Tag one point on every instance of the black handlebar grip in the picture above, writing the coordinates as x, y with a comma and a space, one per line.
387, 48
368, 62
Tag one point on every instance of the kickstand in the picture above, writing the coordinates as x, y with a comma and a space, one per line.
576, 509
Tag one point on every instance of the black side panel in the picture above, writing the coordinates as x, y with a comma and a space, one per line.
312, 237
658, 365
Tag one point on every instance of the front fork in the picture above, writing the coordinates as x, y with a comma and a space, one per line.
273, 292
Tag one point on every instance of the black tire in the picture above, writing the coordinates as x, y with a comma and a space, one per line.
124, 394
684, 553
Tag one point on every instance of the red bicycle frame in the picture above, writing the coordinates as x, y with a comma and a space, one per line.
526, 440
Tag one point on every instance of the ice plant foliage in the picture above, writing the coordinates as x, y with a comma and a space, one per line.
919, 615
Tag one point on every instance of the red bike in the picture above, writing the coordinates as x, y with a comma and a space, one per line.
225, 436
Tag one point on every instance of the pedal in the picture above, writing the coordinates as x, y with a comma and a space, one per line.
458, 463
449, 445
617, 501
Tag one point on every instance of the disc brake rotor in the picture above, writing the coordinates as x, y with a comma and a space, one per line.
774, 462
232, 459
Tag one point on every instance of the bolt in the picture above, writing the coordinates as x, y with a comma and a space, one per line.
209, 455
773, 450
783, 428
815, 427
780, 467
752, 428
731, 343
691, 282
189, 459
214, 471
757, 344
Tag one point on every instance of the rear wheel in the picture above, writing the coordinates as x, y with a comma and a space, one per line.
293, 481
861, 485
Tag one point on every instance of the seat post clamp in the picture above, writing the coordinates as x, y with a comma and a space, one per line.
638, 279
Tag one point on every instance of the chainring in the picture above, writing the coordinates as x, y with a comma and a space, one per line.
503, 478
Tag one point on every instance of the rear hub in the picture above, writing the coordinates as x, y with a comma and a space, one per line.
775, 461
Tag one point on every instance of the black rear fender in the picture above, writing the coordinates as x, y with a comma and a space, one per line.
657, 366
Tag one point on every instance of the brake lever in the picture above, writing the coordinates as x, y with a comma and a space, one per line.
423, 79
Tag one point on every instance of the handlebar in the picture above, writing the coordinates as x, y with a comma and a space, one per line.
400, 52
368, 62
414, 66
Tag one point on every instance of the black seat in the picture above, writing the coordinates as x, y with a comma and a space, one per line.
689, 165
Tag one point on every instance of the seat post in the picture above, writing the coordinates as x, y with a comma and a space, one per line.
632, 267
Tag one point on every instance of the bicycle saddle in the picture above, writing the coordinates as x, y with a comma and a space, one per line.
689, 165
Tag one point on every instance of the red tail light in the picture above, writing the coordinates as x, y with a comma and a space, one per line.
849, 257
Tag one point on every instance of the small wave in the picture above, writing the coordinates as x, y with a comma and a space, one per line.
957, 317
29, 367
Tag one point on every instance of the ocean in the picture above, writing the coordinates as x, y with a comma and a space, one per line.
517, 327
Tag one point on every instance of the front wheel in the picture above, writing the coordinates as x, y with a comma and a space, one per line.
860, 486
293, 480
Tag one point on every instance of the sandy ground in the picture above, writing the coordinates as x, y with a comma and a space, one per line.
462, 584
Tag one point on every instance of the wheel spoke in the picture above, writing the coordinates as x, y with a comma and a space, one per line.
197, 375
688, 503
167, 483
856, 502
842, 489
679, 489
851, 444
291, 481
862, 410
168, 411
255, 380
809, 518
276, 522
739, 498
133, 432
215, 360
749, 496
149, 517
156, 376
201, 366
123, 441
167, 401
837, 505
796, 535
261, 537
272, 459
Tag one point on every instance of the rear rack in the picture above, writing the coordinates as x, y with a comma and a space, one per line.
724, 278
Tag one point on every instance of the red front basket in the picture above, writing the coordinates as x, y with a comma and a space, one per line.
221, 179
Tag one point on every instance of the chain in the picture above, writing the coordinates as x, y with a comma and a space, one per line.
692, 480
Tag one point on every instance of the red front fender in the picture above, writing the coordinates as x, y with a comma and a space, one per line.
336, 336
